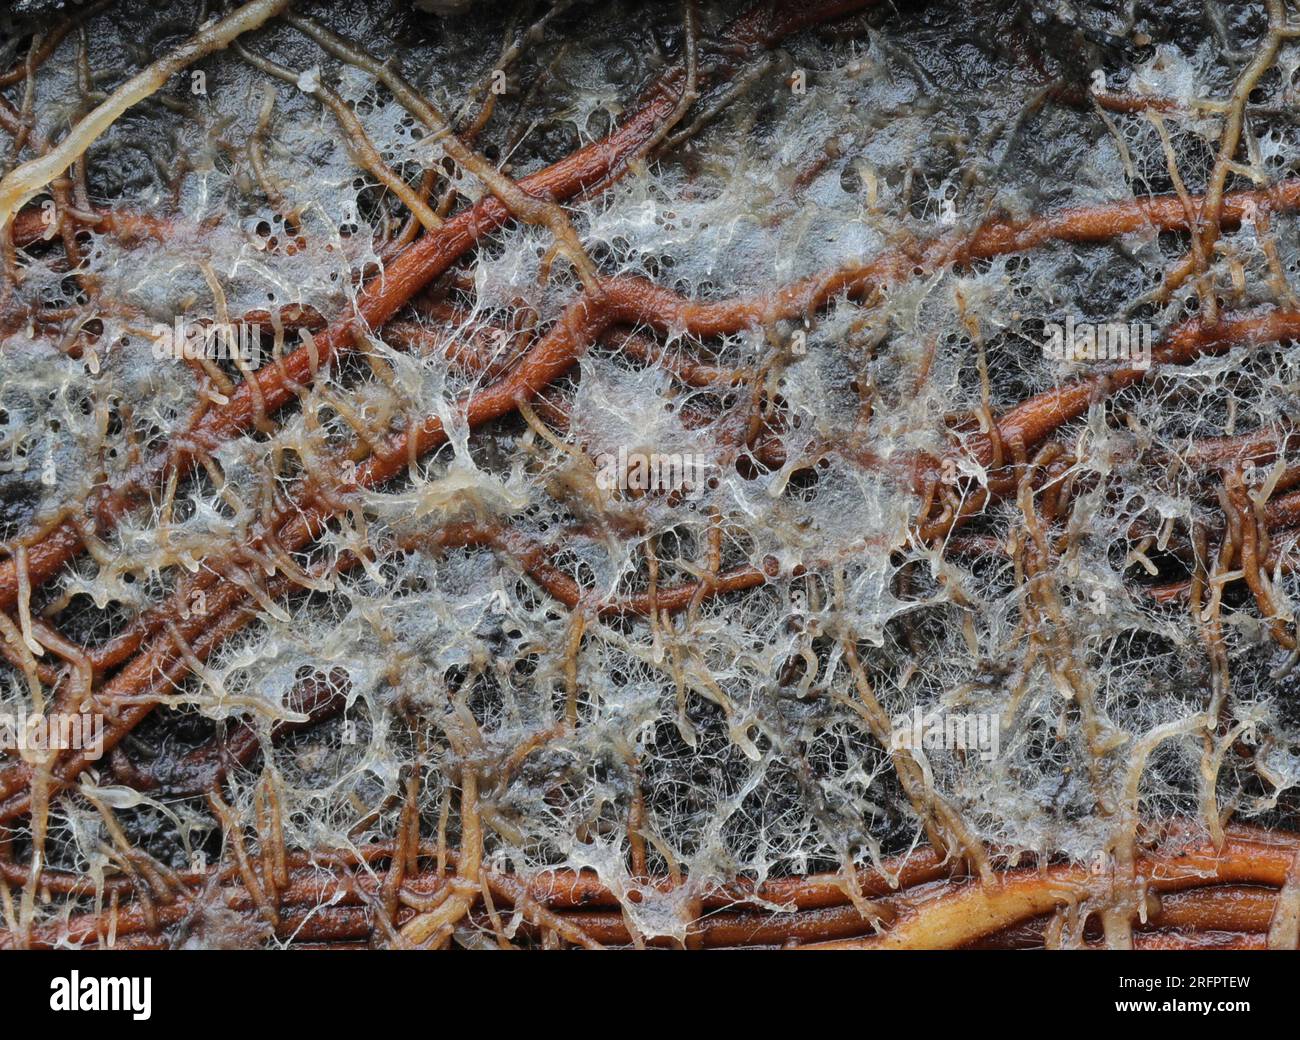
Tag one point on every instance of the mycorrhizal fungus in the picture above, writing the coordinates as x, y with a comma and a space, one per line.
690, 473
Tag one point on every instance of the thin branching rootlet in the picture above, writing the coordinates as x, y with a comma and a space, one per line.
684, 474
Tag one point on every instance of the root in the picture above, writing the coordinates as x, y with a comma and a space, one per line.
20, 185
